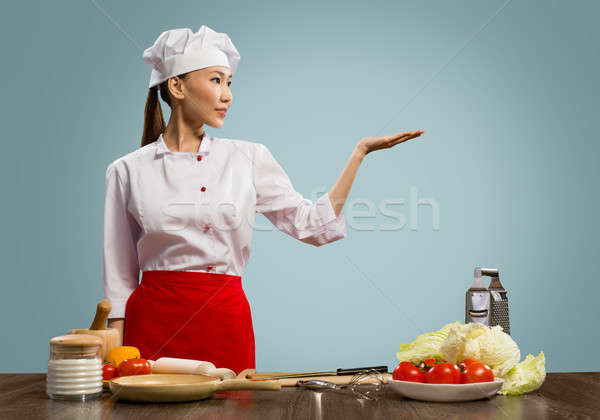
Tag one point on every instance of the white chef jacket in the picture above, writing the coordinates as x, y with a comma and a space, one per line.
194, 211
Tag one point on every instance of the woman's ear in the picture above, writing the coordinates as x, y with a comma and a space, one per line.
176, 89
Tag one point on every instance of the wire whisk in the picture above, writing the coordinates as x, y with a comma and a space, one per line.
361, 384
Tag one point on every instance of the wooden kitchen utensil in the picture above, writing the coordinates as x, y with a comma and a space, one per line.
288, 379
110, 336
163, 387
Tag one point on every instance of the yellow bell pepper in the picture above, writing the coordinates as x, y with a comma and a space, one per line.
117, 354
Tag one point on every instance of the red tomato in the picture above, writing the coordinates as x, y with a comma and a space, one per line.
406, 371
476, 372
426, 364
109, 372
134, 367
462, 365
443, 373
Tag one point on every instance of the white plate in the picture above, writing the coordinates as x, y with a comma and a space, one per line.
446, 392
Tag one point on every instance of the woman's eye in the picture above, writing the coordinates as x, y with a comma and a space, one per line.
218, 79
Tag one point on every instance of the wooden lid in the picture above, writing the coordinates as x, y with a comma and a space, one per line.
76, 340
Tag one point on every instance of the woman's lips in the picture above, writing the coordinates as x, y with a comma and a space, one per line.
221, 113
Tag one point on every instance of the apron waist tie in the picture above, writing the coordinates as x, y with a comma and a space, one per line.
191, 278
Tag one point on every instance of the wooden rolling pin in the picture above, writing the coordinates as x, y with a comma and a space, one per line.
110, 336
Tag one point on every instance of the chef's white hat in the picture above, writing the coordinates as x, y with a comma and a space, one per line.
178, 51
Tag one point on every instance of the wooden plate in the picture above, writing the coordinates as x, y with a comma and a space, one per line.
164, 387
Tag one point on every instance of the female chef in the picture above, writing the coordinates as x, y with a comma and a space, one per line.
181, 209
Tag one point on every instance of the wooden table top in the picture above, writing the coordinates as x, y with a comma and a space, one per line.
563, 395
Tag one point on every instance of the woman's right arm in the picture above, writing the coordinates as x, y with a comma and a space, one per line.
339, 192
121, 233
118, 324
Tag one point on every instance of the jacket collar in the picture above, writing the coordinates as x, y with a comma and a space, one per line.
161, 147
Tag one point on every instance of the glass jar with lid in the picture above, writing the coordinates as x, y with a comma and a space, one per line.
74, 367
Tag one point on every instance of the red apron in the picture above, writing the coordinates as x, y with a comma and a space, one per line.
191, 315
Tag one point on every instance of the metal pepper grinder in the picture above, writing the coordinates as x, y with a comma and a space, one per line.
488, 306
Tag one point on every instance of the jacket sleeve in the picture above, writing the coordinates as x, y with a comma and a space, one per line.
312, 223
121, 231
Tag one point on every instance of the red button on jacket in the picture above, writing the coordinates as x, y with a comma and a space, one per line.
199, 158
203, 189
210, 267
206, 227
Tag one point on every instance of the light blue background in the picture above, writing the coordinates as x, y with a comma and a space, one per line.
509, 107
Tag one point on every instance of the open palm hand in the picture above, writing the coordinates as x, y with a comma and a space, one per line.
370, 144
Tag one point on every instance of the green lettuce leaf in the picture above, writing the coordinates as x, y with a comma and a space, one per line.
525, 377
425, 346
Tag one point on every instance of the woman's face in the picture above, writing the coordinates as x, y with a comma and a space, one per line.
205, 95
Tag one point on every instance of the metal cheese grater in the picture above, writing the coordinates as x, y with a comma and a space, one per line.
488, 306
